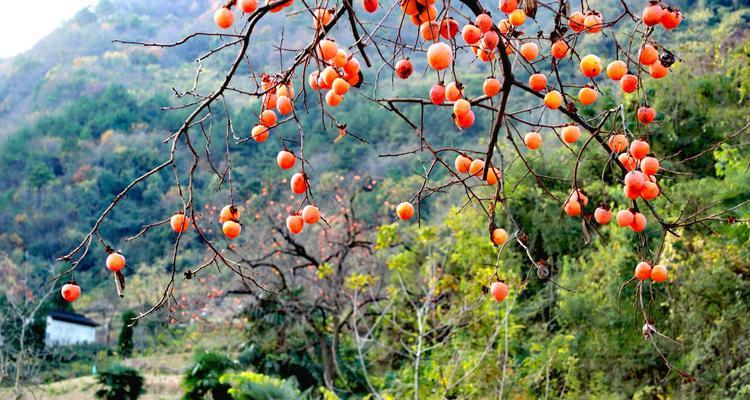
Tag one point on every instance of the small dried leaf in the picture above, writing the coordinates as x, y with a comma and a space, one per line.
586, 234
120, 283
529, 8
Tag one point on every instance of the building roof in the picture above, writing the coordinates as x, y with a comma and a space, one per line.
72, 318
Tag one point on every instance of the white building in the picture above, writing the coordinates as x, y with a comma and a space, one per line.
65, 328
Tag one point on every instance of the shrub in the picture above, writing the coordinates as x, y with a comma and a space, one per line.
125, 340
253, 386
119, 383
203, 376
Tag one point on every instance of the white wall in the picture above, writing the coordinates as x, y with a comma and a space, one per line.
61, 332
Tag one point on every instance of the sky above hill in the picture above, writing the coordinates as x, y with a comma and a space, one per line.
23, 23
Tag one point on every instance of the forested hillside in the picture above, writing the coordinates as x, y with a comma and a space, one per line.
82, 116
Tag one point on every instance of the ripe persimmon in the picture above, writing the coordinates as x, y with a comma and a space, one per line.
284, 105
499, 236
648, 55
529, 51
340, 86
231, 229
461, 107
404, 68
538, 82
428, 13
578, 195
649, 165
298, 183
576, 21
602, 215
471, 33
642, 271
631, 192
333, 99
327, 49
70, 291
499, 291
429, 30
462, 163
559, 49
230, 212
285, 159
476, 168
639, 222
321, 17
517, 17
439, 56
657, 70
627, 161
224, 18
295, 224
572, 208
437, 94
489, 41
616, 70
312, 80
484, 22
493, 176
618, 143
590, 65
593, 22
405, 210
340, 58
466, 120
570, 133
646, 114
639, 149
658, 273
370, 5
115, 261
649, 191
634, 179
670, 18
310, 214
507, 6
532, 140
491, 87
327, 77
179, 222
625, 218
448, 28
270, 100
553, 99
652, 14
259, 133
453, 92
587, 95
352, 66
629, 83
268, 118
248, 6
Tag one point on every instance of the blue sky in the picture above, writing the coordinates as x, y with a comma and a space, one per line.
23, 23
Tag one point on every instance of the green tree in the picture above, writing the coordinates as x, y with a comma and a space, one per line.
125, 339
119, 383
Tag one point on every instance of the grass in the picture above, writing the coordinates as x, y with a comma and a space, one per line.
163, 374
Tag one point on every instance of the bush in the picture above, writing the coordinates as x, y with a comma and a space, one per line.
119, 383
203, 376
125, 340
253, 386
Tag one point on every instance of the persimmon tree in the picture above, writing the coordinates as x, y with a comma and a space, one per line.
532, 52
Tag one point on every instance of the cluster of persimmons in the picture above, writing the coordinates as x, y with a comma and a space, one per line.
338, 71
